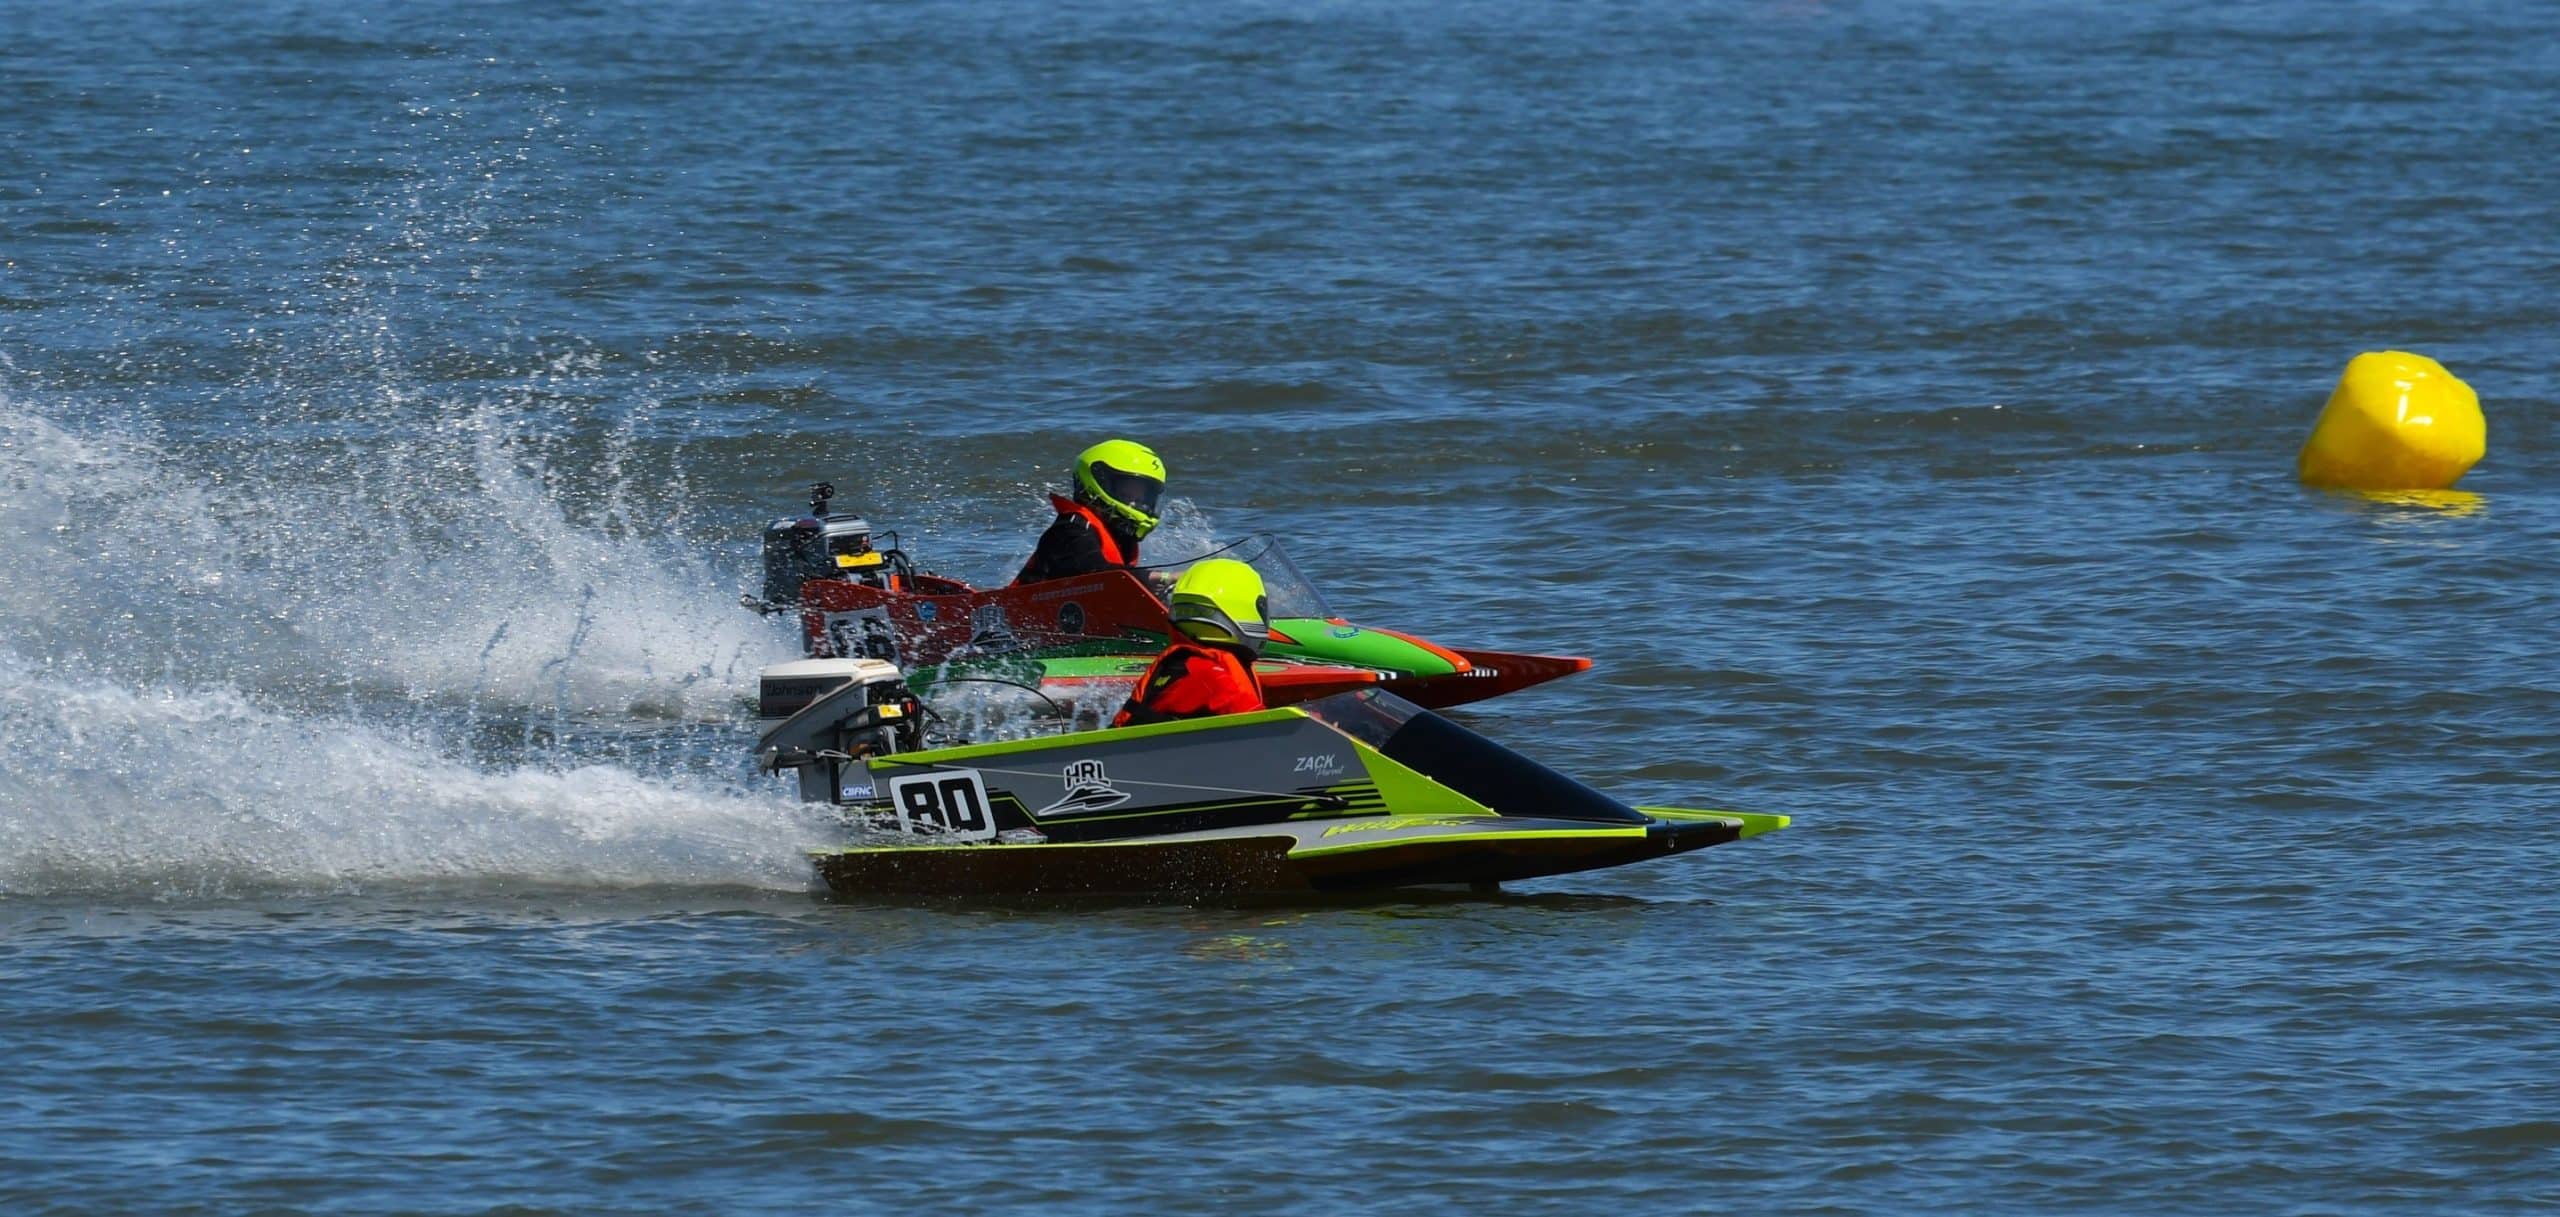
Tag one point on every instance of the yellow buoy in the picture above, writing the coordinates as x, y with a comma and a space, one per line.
2397, 422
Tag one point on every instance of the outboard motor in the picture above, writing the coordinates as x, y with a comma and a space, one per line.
823, 716
823, 544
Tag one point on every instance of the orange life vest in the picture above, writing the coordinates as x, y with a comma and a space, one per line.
1192, 680
1102, 531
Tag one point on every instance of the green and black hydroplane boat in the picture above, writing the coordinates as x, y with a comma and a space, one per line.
1359, 790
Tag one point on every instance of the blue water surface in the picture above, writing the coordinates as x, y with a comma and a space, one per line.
1897, 400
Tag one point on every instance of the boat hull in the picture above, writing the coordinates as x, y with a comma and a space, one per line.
1302, 857
1357, 791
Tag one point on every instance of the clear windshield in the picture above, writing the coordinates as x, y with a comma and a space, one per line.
1371, 716
1289, 591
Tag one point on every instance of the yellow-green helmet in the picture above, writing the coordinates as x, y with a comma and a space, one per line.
1221, 600
1123, 478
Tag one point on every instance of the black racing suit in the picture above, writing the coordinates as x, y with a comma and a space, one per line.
1080, 542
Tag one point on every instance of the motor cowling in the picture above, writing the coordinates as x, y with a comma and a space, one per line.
824, 716
824, 544
799, 549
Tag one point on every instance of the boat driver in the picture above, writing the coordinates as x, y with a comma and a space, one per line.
1219, 614
1118, 483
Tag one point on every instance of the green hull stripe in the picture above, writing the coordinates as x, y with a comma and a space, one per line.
1364, 648
1535, 834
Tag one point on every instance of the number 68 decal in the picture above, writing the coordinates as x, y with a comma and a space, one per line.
951, 804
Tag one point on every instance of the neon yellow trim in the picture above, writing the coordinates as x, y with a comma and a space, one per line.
1391, 822
1752, 823
1535, 834
1380, 811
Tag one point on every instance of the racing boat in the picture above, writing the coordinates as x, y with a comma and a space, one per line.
1353, 791
857, 598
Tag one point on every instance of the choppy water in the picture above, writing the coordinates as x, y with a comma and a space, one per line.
1898, 400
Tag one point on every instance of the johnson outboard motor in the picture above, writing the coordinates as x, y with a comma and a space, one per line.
822, 717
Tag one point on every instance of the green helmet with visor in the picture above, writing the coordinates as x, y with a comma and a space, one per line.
1124, 479
1221, 600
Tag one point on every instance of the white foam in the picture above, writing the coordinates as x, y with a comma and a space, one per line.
233, 673
1182, 534
466, 579
184, 791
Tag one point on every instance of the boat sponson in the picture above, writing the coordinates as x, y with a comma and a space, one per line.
1488, 674
1502, 850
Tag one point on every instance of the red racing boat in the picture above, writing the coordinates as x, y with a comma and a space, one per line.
857, 600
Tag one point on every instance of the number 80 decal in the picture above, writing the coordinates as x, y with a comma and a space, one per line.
951, 803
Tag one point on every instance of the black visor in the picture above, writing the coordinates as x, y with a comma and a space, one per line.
1135, 489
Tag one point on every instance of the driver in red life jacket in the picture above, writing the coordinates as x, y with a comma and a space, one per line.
1219, 609
1117, 485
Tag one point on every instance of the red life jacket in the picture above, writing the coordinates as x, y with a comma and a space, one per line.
1191, 680
1101, 531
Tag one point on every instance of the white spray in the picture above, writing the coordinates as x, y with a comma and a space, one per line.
220, 682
